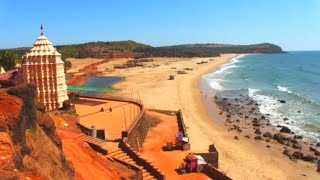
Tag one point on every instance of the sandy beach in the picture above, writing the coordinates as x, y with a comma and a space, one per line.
241, 159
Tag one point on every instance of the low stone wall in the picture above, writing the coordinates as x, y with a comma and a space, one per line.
182, 128
181, 125
138, 176
138, 133
151, 168
214, 173
98, 148
210, 157
85, 130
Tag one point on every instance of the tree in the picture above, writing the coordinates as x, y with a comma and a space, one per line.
67, 64
8, 59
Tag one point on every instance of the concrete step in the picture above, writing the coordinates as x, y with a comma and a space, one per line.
147, 176
121, 156
113, 153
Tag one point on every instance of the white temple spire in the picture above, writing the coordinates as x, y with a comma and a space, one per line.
43, 66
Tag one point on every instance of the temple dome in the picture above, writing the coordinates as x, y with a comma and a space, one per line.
42, 47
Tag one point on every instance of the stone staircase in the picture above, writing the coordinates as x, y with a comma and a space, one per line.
92, 140
119, 155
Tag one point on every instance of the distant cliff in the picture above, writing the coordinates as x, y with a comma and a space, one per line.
133, 49
228, 48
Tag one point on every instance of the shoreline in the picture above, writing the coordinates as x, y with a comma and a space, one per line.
242, 159
254, 152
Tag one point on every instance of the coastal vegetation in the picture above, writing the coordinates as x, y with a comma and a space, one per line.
8, 59
130, 48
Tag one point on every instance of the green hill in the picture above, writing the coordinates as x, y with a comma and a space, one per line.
133, 49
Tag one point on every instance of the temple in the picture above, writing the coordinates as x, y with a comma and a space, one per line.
2, 70
43, 66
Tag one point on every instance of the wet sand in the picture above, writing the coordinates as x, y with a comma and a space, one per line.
240, 159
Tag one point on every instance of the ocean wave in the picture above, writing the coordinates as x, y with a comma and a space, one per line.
215, 85
270, 106
284, 89
225, 68
214, 78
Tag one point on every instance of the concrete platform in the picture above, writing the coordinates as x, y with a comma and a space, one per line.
114, 122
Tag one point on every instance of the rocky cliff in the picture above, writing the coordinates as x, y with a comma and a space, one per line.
29, 146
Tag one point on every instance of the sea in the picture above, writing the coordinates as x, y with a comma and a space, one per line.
268, 78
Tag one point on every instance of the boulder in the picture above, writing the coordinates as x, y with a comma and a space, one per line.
318, 144
267, 140
285, 119
297, 137
285, 129
293, 141
309, 158
296, 146
279, 137
257, 131
288, 144
317, 153
268, 146
287, 152
297, 155
258, 138
247, 136
282, 101
267, 135
236, 137
256, 124
312, 148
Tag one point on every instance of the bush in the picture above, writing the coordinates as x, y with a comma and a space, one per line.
66, 105
8, 59
41, 107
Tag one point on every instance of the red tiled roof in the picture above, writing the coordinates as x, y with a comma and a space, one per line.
9, 74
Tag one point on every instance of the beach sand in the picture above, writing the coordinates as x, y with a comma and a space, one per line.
240, 159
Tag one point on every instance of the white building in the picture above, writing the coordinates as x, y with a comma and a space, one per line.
43, 66
2, 70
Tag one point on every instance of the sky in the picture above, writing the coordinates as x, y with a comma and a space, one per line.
291, 24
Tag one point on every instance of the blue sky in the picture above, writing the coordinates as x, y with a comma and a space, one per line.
292, 24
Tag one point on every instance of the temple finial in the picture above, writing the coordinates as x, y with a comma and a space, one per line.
41, 28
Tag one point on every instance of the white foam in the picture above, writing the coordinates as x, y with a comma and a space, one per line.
225, 68
215, 85
284, 89
270, 105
